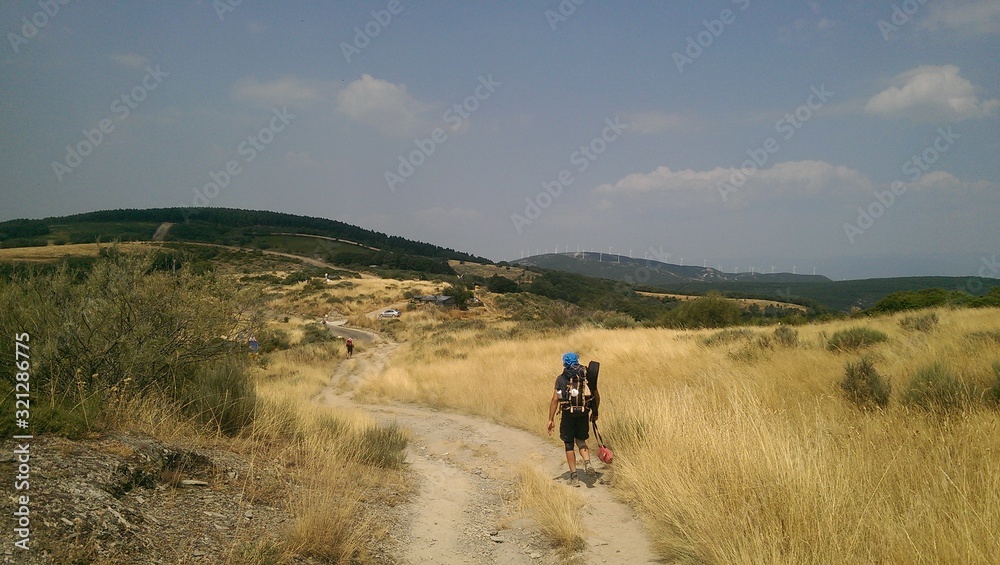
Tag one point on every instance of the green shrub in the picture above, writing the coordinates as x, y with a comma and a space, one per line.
122, 325
222, 394
786, 336
711, 311
924, 323
612, 320
501, 285
854, 338
864, 386
919, 299
934, 387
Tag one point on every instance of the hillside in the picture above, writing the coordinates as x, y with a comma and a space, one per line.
315, 237
784, 287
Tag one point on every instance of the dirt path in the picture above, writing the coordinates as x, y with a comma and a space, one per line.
466, 467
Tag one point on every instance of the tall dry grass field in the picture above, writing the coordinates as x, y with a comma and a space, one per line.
737, 448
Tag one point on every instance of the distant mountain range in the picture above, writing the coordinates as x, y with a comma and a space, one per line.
651, 272
811, 290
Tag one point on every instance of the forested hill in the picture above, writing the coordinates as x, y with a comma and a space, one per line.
226, 226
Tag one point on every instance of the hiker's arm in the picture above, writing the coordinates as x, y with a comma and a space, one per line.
553, 406
595, 406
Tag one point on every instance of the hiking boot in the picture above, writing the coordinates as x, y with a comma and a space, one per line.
589, 469
573, 481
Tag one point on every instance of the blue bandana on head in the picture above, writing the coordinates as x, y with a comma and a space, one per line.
570, 359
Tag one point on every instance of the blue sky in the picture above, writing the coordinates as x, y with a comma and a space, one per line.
857, 138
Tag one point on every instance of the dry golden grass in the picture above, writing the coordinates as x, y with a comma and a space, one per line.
56, 252
745, 451
743, 302
348, 297
555, 507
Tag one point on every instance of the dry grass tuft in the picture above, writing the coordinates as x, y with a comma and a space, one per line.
555, 507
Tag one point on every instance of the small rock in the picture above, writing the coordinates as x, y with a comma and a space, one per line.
193, 483
496, 539
535, 555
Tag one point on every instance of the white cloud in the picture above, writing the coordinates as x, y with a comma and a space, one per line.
131, 60
789, 179
975, 17
383, 105
812, 185
929, 93
286, 90
657, 122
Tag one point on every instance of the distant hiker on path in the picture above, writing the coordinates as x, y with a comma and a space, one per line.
577, 397
350, 347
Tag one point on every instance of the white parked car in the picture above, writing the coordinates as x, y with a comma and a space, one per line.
390, 313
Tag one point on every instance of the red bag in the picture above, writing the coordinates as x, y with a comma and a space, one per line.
603, 453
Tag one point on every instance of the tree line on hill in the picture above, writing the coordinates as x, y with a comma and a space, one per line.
225, 226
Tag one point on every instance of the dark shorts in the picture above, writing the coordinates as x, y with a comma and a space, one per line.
574, 427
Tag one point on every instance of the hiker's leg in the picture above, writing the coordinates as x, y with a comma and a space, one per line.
566, 434
584, 451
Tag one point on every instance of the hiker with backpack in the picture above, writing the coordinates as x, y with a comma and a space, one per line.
350, 347
577, 398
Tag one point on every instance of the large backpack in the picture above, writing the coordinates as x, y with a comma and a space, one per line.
576, 396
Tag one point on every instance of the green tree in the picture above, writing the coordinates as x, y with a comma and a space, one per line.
711, 311
461, 294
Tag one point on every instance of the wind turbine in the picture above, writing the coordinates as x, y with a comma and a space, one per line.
814, 270
772, 269
793, 269
682, 261
704, 263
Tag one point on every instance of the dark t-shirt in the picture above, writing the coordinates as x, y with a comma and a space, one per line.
562, 381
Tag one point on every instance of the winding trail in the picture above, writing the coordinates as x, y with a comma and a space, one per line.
466, 468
